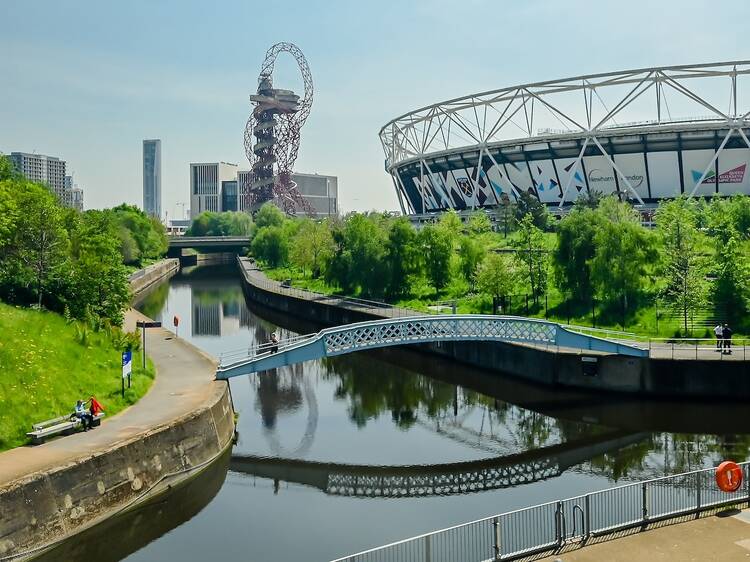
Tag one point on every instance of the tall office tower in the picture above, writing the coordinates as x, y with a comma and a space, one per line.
44, 169
207, 183
152, 177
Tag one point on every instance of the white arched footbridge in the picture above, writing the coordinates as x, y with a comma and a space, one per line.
410, 330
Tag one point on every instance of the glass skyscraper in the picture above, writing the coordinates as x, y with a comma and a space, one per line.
152, 177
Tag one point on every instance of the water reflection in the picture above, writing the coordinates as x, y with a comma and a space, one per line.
322, 443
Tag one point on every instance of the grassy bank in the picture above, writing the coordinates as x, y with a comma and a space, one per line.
46, 364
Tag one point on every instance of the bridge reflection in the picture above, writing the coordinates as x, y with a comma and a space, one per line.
368, 481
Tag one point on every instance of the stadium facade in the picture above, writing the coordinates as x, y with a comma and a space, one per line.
645, 134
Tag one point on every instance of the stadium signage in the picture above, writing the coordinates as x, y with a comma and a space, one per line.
595, 176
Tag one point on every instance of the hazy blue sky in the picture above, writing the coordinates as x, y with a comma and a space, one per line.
87, 81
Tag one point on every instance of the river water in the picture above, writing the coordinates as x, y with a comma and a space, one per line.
329, 451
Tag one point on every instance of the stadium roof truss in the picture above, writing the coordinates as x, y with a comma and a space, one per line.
584, 107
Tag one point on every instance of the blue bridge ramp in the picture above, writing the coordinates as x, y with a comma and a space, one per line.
417, 329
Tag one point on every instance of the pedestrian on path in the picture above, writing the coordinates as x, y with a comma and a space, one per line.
719, 333
727, 335
274, 343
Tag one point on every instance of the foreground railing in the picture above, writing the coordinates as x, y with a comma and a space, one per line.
550, 526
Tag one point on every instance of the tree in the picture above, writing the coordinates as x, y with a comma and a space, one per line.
531, 256
402, 259
623, 249
148, 232
100, 285
496, 275
528, 204
683, 267
574, 251
42, 239
311, 246
269, 215
271, 245
479, 223
472, 253
437, 249
507, 214
451, 222
729, 265
229, 223
364, 245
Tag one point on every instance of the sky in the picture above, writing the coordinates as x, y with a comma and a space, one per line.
88, 81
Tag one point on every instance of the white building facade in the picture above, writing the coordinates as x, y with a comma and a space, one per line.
48, 170
206, 182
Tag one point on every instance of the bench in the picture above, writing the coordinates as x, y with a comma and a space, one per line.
64, 425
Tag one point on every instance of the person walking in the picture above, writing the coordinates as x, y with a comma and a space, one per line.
719, 333
726, 333
274, 343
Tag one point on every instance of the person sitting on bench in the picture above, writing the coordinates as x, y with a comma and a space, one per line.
84, 415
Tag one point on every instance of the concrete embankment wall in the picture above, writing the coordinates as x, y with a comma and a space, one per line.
44, 507
721, 380
145, 278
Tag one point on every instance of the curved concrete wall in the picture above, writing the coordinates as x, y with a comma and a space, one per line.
45, 507
722, 380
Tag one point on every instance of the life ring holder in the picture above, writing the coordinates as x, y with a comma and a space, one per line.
729, 476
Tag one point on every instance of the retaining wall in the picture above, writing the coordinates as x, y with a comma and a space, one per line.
721, 380
149, 276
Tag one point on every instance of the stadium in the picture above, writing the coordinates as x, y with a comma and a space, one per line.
645, 135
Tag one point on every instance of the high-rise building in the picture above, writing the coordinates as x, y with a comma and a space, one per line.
77, 198
206, 186
44, 169
321, 192
74, 193
152, 177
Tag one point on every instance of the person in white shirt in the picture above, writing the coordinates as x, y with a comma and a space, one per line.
719, 333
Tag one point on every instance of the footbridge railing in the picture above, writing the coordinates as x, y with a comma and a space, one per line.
417, 329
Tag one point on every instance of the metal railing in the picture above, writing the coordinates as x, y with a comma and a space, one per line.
551, 526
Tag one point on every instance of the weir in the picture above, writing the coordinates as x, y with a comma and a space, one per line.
412, 330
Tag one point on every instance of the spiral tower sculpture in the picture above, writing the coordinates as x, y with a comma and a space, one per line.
272, 136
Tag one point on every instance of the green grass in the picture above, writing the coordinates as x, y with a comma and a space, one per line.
44, 369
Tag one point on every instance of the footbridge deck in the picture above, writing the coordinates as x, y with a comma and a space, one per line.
417, 329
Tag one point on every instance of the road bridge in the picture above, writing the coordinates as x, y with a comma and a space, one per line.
207, 244
412, 330
437, 479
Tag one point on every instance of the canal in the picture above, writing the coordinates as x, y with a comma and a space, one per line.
343, 454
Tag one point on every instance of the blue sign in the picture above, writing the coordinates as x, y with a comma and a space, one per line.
127, 363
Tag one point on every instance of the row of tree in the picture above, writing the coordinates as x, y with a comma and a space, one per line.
67, 261
228, 223
600, 250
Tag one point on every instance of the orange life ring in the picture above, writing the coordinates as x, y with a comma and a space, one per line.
729, 476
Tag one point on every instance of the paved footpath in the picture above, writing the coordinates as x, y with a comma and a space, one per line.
723, 537
183, 383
